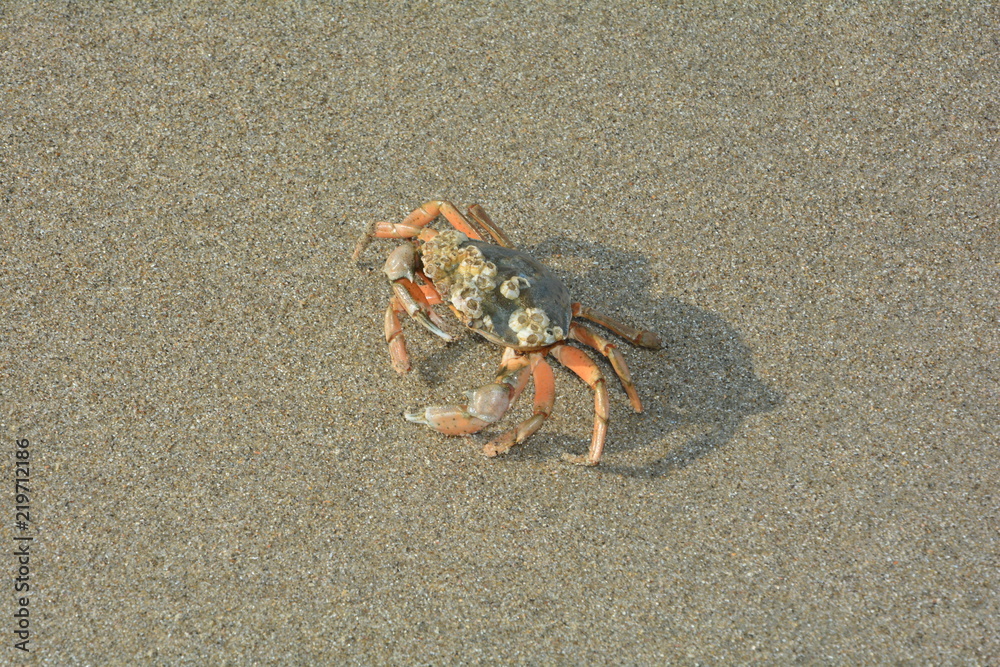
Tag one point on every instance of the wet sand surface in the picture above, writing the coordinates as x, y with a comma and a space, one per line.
803, 204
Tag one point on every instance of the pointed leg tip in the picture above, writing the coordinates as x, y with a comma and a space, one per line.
416, 416
363, 242
496, 448
579, 460
650, 340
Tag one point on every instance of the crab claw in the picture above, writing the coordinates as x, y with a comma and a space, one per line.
412, 306
448, 419
400, 263
486, 406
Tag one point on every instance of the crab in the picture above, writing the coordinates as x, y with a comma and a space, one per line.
510, 299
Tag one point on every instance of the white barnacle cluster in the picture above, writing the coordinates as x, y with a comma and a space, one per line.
461, 272
439, 256
511, 288
531, 326
467, 299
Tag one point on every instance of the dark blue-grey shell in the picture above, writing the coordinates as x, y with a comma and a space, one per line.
503, 294
541, 300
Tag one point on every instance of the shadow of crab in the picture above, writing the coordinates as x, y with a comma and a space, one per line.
701, 382
704, 383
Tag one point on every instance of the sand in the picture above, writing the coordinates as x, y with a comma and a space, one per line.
802, 203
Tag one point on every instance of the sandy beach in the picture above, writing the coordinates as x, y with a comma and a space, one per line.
200, 409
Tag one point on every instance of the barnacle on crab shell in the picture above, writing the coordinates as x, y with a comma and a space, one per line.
518, 320
473, 308
460, 295
529, 337
462, 292
511, 288
484, 282
537, 317
531, 327
471, 256
449, 237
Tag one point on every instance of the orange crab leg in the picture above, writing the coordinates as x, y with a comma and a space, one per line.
414, 223
600, 343
394, 336
425, 296
431, 295
578, 362
545, 398
513, 377
635, 336
432, 209
486, 405
479, 216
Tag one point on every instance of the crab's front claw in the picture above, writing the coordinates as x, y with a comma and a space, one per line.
486, 406
448, 419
